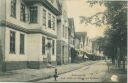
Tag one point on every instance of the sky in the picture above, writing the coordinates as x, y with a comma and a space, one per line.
76, 8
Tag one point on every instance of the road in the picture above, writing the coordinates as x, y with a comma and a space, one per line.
91, 73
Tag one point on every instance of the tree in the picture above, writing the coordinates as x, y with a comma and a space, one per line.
116, 35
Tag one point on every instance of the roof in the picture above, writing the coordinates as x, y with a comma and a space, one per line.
46, 4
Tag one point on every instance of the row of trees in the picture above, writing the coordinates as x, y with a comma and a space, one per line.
115, 40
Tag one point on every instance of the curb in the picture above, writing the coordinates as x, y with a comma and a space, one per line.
59, 73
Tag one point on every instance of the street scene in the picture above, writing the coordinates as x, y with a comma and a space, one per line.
63, 41
95, 72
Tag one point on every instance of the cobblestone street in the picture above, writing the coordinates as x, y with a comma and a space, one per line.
33, 75
91, 73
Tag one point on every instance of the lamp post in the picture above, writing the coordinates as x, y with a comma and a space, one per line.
56, 74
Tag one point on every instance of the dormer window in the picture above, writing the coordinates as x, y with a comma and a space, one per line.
33, 14
13, 8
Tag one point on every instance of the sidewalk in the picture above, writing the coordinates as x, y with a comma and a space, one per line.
115, 75
31, 75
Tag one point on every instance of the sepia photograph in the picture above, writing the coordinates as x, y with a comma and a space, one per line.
70, 41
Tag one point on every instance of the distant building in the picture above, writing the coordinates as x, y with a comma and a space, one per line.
62, 36
79, 44
74, 56
71, 37
81, 36
97, 49
88, 45
28, 33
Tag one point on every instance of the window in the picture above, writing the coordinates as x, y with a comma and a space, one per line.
43, 45
13, 8
33, 14
53, 47
44, 17
12, 42
53, 22
22, 12
22, 43
49, 20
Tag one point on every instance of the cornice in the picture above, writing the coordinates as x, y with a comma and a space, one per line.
28, 31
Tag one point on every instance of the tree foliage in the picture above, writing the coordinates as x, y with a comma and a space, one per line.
116, 17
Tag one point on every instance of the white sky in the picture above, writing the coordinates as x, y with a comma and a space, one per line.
76, 8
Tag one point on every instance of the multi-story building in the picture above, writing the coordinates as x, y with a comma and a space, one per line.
75, 52
88, 45
81, 36
71, 36
28, 33
97, 49
62, 35
79, 46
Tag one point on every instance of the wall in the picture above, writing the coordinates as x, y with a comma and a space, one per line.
2, 50
16, 56
33, 51
2, 10
59, 31
58, 52
34, 47
66, 56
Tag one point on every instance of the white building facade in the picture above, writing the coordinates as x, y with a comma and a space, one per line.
28, 33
